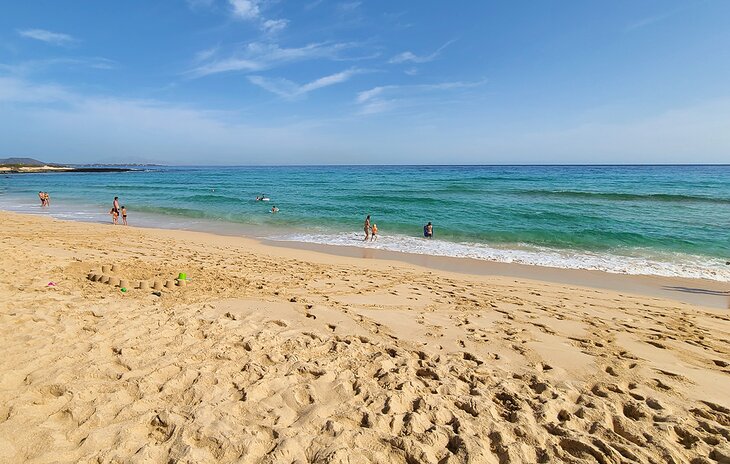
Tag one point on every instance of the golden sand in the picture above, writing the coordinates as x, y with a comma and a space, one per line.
278, 355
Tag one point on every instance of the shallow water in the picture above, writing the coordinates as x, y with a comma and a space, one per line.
661, 220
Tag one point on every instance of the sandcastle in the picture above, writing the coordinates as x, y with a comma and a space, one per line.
109, 275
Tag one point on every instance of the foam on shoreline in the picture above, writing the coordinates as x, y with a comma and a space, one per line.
634, 262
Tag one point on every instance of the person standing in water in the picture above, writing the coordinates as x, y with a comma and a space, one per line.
124, 215
367, 228
428, 230
374, 233
115, 205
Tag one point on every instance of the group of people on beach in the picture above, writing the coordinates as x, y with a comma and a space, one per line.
371, 230
45, 198
116, 211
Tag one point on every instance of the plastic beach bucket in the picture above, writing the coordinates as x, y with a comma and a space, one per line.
182, 276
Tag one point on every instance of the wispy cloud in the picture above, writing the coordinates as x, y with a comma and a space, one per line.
290, 90
410, 57
205, 55
348, 7
387, 97
58, 121
54, 38
649, 20
258, 56
313, 4
272, 26
245, 9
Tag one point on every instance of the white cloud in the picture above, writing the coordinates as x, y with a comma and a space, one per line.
290, 90
55, 38
410, 57
366, 95
259, 56
347, 7
272, 26
227, 65
14, 90
245, 9
206, 54
59, 124
387, 97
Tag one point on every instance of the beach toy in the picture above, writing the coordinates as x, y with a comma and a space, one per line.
157, 285
115, 268
106, 269
182, 276
51, 284
143, 285
123, 283
123, 289
113, 281
170, 284
181, 283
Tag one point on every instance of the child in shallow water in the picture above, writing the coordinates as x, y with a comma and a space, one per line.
124, 215
374, 232
115, 215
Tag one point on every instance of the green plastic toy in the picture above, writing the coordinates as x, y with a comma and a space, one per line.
123, 289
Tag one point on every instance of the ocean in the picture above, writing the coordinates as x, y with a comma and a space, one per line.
656, 220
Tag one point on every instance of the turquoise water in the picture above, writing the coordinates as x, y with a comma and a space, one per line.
664, 220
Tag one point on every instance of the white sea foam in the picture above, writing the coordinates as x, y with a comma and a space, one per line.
637, 262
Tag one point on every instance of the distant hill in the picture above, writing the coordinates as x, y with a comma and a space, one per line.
22, 162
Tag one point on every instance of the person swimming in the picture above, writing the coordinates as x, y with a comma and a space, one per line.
274, 209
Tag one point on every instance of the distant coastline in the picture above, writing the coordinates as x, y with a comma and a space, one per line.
5, 169
30, 165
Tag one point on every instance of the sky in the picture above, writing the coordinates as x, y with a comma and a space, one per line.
242, 82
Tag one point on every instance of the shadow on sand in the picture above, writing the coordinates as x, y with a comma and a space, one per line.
701, 291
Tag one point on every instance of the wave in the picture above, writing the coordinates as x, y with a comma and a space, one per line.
663, 197
631, 261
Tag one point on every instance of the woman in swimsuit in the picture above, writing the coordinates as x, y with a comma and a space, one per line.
367, 227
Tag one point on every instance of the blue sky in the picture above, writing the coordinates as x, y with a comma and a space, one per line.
321, 81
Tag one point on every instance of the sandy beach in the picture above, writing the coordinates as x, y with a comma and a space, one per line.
281, 355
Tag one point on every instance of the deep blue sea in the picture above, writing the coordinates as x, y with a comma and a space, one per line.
661, 220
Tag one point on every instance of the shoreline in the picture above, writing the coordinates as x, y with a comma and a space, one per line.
701, 292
